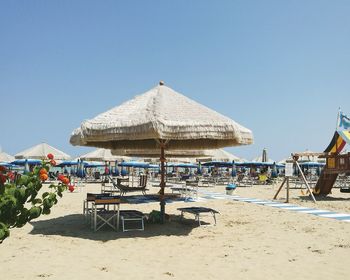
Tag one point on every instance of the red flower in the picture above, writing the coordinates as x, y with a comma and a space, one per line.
71, 188
53, 162
11, 175
60, 177
43, 177
50, 156
42, 171
65, 180
3, 178
2, 168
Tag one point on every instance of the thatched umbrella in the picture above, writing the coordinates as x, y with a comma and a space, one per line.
218, 155
103, 155
41, 151
161, 119
154, 153
6, 157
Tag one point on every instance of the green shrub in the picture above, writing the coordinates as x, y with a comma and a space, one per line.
19, 201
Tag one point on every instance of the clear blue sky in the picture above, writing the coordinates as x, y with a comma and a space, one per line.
280, 68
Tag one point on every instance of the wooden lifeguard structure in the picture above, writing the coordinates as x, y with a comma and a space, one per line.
294, 163
335, 165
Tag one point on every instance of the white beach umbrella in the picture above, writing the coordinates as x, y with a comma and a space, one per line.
260, 159
284, 161
181, 159
185, 156
4, 157
103, 155
263, 158
161, 119
308, 155
41, 151
154, 153
218, 155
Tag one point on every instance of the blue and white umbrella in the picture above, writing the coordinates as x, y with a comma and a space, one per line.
80, 169
234, 170
116, 170
199, 169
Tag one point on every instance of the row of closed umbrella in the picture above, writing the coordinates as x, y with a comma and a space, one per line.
40, 151
212, 157
158, 122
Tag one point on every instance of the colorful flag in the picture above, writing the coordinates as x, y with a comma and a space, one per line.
344, 121
337, 144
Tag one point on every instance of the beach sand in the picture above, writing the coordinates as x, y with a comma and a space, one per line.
249, 242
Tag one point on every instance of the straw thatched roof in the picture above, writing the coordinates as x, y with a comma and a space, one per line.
155, 153
103, 155
161, 113
306, 156
219, 155
6, 157
170, 159
41, 151
190, 156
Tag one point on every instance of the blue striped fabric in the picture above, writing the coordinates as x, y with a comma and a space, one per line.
285, 206
207, 195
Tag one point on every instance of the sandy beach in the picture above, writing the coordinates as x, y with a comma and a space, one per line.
249, 242
231, 97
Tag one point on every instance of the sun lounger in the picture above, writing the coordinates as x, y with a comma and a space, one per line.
187, 190
262, 179
244, 181
198, 212
184, 191
132, 217
123, 189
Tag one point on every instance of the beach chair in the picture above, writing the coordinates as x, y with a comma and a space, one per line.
198, 212
192, 186
87, 204
262, 179
243, 181
97, 175
103, 215
123, 189
132, 217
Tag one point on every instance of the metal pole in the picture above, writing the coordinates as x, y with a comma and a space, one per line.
287, 200
162, 182
338, 119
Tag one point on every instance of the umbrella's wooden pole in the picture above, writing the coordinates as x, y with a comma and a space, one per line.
162, 182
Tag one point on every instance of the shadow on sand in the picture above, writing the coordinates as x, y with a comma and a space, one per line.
75, 226
324, 198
